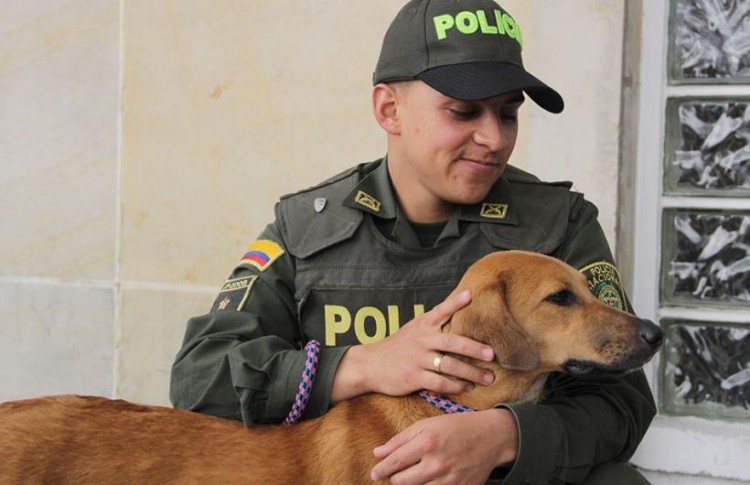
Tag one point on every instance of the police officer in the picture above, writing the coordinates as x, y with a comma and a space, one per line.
370, 255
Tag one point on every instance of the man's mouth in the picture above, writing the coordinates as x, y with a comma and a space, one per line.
486, 163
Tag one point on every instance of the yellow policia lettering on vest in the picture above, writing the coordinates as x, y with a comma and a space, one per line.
468, 23
370, 323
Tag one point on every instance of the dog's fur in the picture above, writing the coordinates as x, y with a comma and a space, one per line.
536, 312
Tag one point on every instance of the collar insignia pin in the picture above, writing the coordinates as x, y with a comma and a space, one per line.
494, 211
319, 204
368, 201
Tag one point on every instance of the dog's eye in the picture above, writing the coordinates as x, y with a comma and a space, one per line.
562, 298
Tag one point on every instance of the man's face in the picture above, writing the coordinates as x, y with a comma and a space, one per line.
449, 152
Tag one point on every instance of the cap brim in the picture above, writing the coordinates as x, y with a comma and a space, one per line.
481, 80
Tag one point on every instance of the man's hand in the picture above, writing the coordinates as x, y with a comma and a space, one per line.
404, 362
451, 449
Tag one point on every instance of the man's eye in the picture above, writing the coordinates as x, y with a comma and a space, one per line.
463, 114
561, 298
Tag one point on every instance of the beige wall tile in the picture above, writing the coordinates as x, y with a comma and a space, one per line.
576, 47
55, 339
59, 74
152, 326
228, 106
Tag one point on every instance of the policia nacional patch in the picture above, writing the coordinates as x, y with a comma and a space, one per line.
234, 293
605, 284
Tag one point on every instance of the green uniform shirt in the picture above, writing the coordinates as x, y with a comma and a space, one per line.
341, 264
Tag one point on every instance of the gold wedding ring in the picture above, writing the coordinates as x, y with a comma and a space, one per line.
437, 362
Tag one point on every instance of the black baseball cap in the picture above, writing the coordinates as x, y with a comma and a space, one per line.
466, 49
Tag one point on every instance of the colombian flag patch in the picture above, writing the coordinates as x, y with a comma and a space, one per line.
261, 254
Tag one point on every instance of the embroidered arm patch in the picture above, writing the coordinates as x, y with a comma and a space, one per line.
261, 254
605, 284
234, 293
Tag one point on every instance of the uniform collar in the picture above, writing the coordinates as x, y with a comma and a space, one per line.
374, 195
496, 208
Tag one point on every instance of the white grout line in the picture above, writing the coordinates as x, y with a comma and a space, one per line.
721, 91
108, 284
714, 315
146, 285
39, 280
118, 201
707, 203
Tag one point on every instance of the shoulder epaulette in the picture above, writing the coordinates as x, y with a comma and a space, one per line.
315, 218
516, 175
538, 213
358, 170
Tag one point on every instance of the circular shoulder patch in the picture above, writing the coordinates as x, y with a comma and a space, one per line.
604, 283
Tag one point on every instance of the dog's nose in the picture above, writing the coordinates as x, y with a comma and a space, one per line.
651, 333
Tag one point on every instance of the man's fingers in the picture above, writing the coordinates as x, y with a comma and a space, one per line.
416, 474
465, 372
405, 461
458, 344
394, 455
440, 315
386, 449
442, 384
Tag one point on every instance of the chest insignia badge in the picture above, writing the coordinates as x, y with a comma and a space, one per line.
319, 204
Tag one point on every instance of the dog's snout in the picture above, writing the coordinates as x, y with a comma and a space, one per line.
651, 333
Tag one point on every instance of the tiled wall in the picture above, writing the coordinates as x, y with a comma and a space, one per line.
143, 144
59, 79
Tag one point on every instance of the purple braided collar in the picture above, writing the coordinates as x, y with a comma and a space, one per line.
444, 404
306, 383
308, 379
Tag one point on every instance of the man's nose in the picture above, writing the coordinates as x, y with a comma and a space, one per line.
489, 132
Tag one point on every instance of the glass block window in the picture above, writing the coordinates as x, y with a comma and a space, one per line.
704, 273
707, 148
706, 369
709, 41
706, 257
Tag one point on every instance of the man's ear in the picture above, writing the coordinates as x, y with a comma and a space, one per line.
487, 319
384, 107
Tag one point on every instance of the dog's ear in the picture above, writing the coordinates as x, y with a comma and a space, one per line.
487, 319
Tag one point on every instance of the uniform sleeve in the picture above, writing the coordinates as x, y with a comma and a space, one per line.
243, 359
582, 422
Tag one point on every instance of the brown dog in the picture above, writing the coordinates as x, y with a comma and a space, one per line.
536, 312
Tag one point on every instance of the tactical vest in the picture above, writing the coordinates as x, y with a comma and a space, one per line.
354, 285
